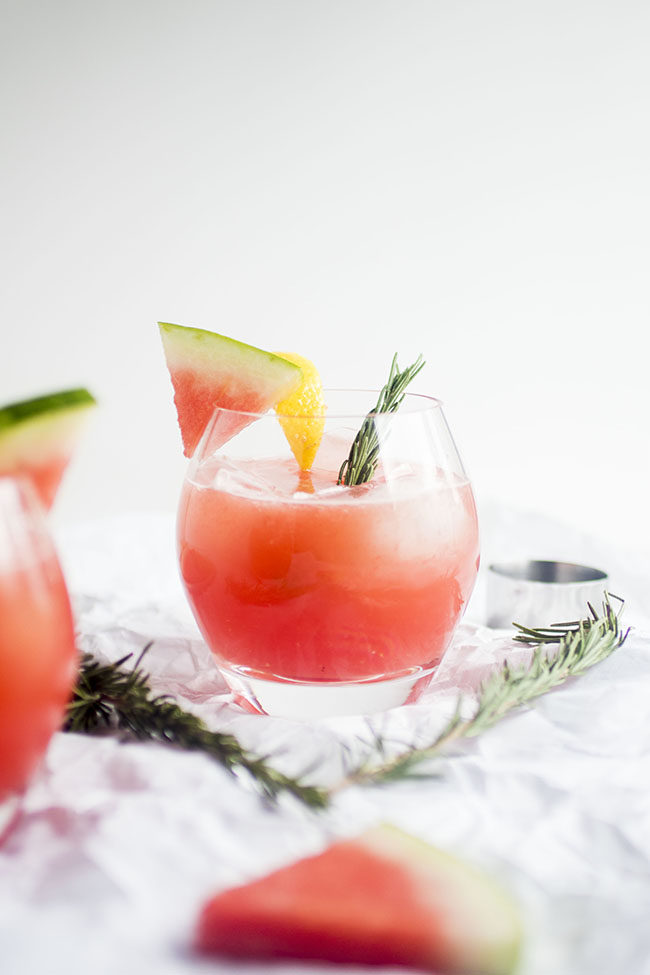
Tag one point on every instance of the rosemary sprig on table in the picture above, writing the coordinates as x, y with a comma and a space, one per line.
581, 645
109, 699
361, 463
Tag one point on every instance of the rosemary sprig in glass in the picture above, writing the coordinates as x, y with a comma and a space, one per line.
361, 463
110, 699
581, 645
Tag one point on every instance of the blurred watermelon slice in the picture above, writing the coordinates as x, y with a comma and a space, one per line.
383, 898
37, 437
210, 370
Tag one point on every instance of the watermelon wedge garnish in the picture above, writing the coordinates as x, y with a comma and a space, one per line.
383, 898
37, 437
210, 370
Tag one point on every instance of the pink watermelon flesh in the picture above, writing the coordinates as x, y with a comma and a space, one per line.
210, 370
384, 898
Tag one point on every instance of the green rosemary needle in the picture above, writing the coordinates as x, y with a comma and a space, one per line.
361, 463
581, 645
110, 699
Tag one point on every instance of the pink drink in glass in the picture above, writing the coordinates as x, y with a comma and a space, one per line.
292, 578
37, 643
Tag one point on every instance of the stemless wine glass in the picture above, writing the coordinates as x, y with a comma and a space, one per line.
37, 643
318, 598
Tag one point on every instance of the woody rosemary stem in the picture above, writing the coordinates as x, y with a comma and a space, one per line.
111, 700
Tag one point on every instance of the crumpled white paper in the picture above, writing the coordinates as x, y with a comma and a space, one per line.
116, 846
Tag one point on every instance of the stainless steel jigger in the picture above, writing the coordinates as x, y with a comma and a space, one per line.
538, 593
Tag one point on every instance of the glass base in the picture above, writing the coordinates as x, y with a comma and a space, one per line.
303, 701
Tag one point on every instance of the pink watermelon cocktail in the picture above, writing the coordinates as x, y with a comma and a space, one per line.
38, 656
294, 579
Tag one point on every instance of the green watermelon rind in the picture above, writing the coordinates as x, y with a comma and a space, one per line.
33, 430
472, 899
200, 344
41, 408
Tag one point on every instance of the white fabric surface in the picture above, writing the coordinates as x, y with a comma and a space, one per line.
117, 846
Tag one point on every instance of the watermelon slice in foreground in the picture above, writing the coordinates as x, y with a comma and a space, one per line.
383, 898
37, 437
210, 370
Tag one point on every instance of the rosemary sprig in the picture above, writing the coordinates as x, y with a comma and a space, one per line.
108, 698
581, 645
361, 463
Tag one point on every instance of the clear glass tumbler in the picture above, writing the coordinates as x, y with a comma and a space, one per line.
318, 598
37, 641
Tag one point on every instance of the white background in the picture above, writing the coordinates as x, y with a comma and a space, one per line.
464, 179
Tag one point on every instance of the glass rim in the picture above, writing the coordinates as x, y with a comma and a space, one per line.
420, 403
